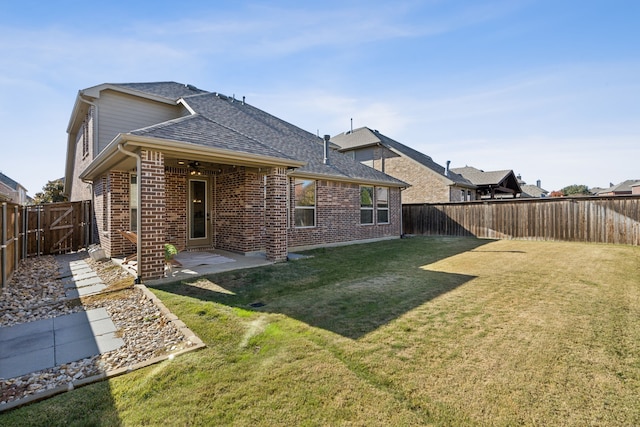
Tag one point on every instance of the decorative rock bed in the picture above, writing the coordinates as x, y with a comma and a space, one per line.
150, 332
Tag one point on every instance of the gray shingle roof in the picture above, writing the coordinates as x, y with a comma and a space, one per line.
624, 186
529, 190
170, 90
364, 137
8, 181
480, 177
200, 130
225, 122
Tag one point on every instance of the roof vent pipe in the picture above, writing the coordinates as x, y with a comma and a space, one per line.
538, 184
446, 170
326, 149
243, 99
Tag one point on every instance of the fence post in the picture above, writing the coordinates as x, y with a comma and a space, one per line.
16, 238
25, 227
38, 232
3, 244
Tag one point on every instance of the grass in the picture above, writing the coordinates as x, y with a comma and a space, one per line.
423, 331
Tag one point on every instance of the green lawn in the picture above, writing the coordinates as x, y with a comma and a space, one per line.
420, 331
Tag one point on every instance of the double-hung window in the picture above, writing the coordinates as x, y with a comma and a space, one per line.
366, 205
382, 205
305, 203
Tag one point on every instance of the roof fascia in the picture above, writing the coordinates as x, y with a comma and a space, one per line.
299, 174
358, 147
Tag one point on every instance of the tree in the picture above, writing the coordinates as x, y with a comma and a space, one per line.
576, 190
51, 193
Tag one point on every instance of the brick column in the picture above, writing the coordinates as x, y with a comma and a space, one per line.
276, 215
152, 227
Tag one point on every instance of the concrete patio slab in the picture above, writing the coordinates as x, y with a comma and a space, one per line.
43, 344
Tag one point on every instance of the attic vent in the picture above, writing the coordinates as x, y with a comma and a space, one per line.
190, 87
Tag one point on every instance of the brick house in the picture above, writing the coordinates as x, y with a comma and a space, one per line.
200, 170
430, 182
624, 188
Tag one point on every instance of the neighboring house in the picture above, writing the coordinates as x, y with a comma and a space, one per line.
197, 169
492, 184
635, 189
624, 188
11, 191
531, 191
430, 182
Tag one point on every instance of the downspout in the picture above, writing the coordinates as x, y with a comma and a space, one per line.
401, 218
138, 208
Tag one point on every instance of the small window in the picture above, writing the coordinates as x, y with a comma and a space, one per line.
305, 208
382, 204
85, 135
133, 203
366, 205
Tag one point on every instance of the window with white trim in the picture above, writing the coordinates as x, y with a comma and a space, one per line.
366, 205
305, 203
382, 205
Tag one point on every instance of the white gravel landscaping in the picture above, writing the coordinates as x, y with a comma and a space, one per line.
36, 292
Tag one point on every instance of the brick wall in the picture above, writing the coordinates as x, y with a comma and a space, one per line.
239, 210
426, 186
338, 217
153, 208
276, 215
176, 207
119, 216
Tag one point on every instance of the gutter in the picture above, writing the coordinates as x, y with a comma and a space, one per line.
138, 208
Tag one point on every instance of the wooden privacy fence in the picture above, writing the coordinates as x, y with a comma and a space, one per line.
582, 219
53, 228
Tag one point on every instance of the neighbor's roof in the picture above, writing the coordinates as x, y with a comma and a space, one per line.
529, 190
366, 137
225, 123
624, 186
8, 182
480, 177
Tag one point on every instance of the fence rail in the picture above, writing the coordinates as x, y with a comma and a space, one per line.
53, 228
585, 219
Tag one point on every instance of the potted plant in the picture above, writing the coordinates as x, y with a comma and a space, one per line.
169, 252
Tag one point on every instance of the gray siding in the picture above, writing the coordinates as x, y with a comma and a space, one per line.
121, 113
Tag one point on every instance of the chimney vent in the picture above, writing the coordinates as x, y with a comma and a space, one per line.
538, 184
326, 149
446, 169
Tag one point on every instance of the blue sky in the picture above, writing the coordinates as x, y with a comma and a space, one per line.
550, 89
